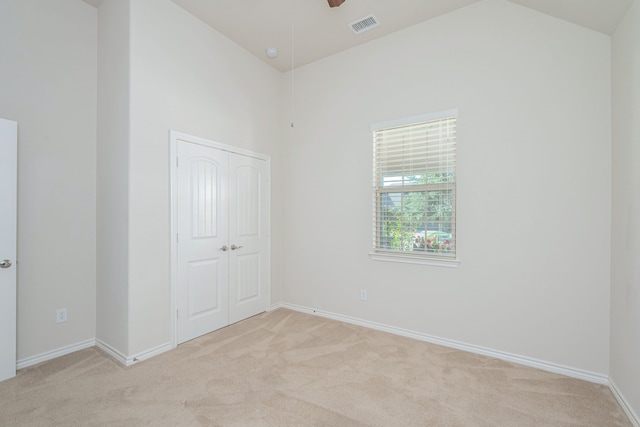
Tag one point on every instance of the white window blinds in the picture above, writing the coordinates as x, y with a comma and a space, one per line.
414, 176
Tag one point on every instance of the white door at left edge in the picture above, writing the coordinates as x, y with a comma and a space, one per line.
8, 218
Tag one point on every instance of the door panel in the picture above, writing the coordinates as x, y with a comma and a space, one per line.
248, 265
248, 201
8, 191
204, 288
204, 179
248, 268
202, 232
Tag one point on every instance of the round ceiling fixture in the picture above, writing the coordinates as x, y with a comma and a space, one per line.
272, 52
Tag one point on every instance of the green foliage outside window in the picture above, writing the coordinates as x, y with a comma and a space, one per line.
419, 221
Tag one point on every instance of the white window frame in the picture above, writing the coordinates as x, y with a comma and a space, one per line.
379, 254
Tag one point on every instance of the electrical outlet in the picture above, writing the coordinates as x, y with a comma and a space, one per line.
363, 294
61, 315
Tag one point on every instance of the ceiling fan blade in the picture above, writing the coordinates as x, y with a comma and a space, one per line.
335, 3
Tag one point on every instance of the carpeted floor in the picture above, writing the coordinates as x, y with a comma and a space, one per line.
285, 368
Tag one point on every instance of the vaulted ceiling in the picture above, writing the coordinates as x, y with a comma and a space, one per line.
310, 29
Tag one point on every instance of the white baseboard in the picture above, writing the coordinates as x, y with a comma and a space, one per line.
62, 351
277, 306
633, 417
116, 354
132, 360
509, 357
147, 354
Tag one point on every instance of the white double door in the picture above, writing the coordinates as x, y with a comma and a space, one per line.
222, 242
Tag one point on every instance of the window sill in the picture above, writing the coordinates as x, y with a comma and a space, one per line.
438, 262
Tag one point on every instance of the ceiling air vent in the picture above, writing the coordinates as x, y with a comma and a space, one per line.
364, 24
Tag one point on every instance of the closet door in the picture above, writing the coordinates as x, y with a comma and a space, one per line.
203, 255
222, 243
248, 227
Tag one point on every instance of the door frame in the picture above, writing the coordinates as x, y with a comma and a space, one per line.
175, 137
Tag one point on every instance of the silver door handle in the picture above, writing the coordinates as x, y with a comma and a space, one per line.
5, 264
234, 247
224, 248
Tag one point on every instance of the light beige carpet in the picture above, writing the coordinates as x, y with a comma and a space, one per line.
285, 368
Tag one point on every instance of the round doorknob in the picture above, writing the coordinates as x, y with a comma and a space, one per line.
5, 264
224, 248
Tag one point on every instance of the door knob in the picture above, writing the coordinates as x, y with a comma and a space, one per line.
224, 248
234, 247
5, 264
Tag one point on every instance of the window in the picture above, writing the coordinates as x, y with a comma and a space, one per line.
414, 189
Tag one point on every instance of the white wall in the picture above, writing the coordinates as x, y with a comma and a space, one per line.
112, 287
534, 199
48, 85
625, 253
186, 76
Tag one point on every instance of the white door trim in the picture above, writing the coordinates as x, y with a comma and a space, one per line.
174, 138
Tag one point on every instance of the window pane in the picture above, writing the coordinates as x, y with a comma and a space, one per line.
440, 178
390, 181
440, 235
416, 221
402, 215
